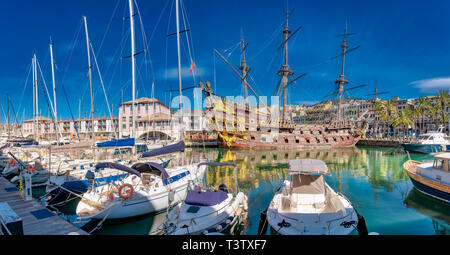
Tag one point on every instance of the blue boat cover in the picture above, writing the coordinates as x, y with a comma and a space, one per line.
205, 198
118, 167
178, 147
117, 143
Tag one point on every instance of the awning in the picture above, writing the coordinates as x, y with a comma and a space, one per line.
150, 167
205, 198
118, 167
117, 143
308, 184
178, 147
307, 166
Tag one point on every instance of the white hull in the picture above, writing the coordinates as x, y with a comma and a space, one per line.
207, 217
308, 220
142, 202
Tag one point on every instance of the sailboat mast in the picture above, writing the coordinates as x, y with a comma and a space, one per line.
133, 80
90, 77
9, 128
285, 72
34, 100
54, 91
36, 119
244, 68
179, 69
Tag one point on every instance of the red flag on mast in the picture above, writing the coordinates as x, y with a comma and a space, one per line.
192, 66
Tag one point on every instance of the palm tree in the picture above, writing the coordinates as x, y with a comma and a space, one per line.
443, 98
386, 111
423, 106
403, 119
416, 114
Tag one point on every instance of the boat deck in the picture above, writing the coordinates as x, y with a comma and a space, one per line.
36, 219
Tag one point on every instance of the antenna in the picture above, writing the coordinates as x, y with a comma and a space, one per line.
377, 93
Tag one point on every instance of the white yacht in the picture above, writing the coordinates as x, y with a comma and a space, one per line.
306, 205
429, 143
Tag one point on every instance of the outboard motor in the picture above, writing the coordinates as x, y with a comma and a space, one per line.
223, 187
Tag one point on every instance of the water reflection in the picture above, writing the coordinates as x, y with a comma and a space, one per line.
438, 211
383, 168
372, 178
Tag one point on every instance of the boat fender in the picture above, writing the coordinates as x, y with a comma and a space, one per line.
30, 169
128, 192
12, 162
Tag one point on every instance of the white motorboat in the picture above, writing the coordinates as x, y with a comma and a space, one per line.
306, 205
431, 142
207, 212
431, 178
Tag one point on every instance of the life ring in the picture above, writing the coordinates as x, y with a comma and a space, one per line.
30, 169
12, 162
128, 192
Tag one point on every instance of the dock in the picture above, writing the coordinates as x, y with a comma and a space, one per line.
36, 219
383, 142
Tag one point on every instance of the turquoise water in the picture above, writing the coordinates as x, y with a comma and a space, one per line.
371, 178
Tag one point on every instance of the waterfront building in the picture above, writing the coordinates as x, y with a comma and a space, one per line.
104, 128
152, 118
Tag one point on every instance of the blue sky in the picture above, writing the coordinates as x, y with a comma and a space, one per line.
404, 48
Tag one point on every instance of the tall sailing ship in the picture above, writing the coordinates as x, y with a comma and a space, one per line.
241, 125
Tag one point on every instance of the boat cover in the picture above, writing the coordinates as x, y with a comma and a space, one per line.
307, 166
117, 143
205, 198
308, 184
118, 167
178, 147
151, 167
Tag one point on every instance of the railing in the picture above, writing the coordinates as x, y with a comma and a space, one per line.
7, 230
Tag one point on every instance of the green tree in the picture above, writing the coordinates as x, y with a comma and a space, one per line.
386, 111
423, 105
443, 98
403, 119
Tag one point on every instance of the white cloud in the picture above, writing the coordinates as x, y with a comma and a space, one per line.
432, 85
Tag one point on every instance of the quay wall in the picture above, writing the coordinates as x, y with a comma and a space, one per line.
382, 142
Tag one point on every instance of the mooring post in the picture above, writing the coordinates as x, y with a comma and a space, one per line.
27, 187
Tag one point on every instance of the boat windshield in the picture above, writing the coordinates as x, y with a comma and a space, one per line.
439, 164
425, 137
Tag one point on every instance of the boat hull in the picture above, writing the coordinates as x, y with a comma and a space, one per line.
141, 206
424, 148
252, 144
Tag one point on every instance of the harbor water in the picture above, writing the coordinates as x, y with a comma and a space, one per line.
372, 178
